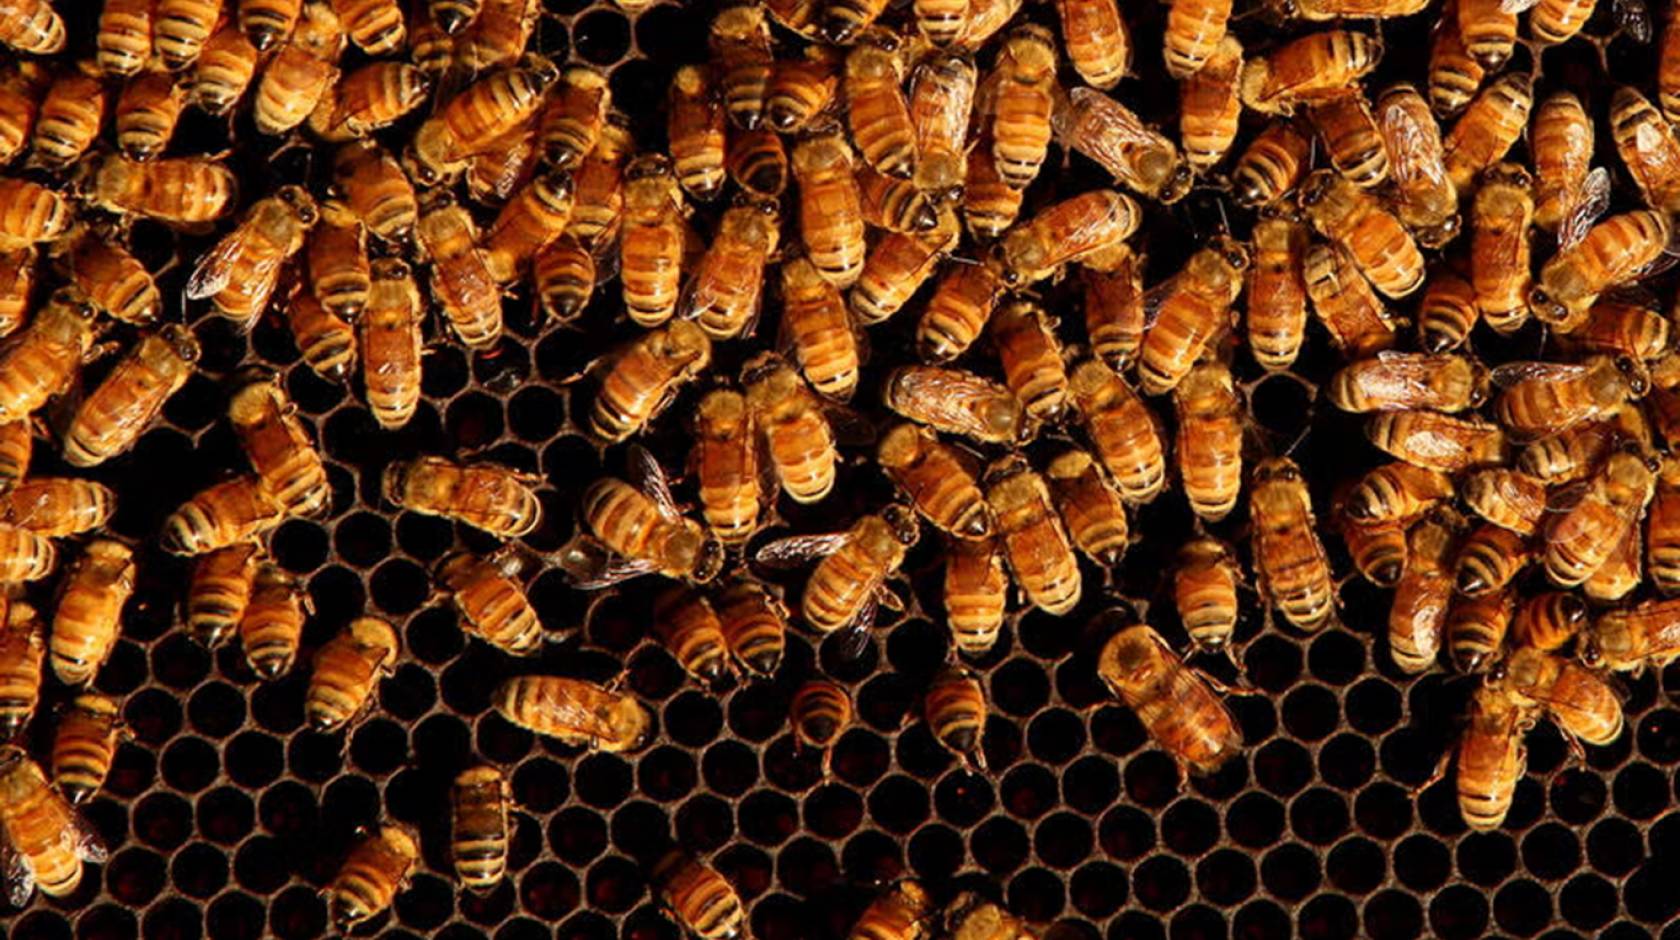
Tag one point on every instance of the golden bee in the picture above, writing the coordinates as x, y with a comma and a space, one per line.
799, 440
268, 22
112, 417
754, 626
1378, 549
651, 247
1276, 315
497, 36
1556, 21
1174, 702
488, 497
971, 917
1396, 381
84, 744
1549, 620
1417, 619
877, 113
645, 377
1610, 254
1577, 699
1032, 358
340, 274
272, 626
1196, 309
1569, 455
985, 19
575, 711
847, 585
23, 651
1490, 757
643, 528
1439, 442
25, 556
480, 829
897, 267
975, 592
112, 278
278, 446
1210, 440
1289, 559
564, 274
180, 28
800, 90
687, 625
124, 38
46, 839
1194, 31
1205, 579
1127, 439
1066, 231
936, 479
1447, 313
1109, 133
1208, 104
1427, 201
375, 870
1489, 558
17, 283
89, 614
1506, 497
465, 277
44, 359
1097, 40
220, 592
955, 709
1542, 398
1634, 638
697, 897
376, 189
1315, 67
224, 70
241, 272
1476, 629
941, 21
989, 204
830, 208
726, 466
1114, 309
695, 128
475, 118
1616, 328
572, 119
1623, 571
491, 600
1565, 187
147, 111
1662, 533
956, 402
236, 510
1374, 238
374, 96
758, 162
740, 43
723, 294
390, 342
1348, 128
21, 89
1025, 99
71, 116
33, 213
346, 670
1454, 75
17, 445
818, 713
816, 323
183, 192
1580, 540
904, 912
1491, 123
302, 74
942, 92
1032, 536
1090, 507
55, 507
1272, 165
1489, 30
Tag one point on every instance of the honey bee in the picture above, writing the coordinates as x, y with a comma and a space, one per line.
725, 461
695, 127
1489, 30
475, 118
17, 445
689, 628
1205, 582
1194, 31
224, 70
464, 277
1196, 308
645, 378
1576, 698
1624, 329
1427, 201
147, 111
1272, 165
1023, 104
84, 628
1210, 440
1447, 313
1439, 442
279, 448
1662, 533
796, 432
1346, 304
799, 16
956, 402
181, 192
302, 74
1633, 638
377, 190
1491, 757
1489, 558
1580, 540
848, 584
740, 44
485, 496
955, 708
180, 29
273, 623
1033, 367
897, 267
1097, 40
989, 204
800, 89
941, 105
1543, 398
1350, 134
23, 648
374, 96
112, 417
1397, 491
70, 117
1208, 103
376, 869
1396, 381
46, 840
598, 189
564, 274
1565, 186
937, 481
1289, 559
1109, 133
575, 711
754, 626
220, 592
971, 917
498, 35
651, 248
113, 279
819, 711
84, 744
1454, 75
757, 162
941, 22
985, 19
33, 213
1128, 441
877, 113
1378, 549
20, 104
1548, 620
976, 594
1508, 498
723, 295
1033, 539
1277, 293
817, 325
1568, 455
340, 274
124, 38
346, 670
647, 533
44, 358
55, 507
572, 119
1476, 629
1114, 309
1375, 239
491, 601
268, 22
1091, 508
1611, 253
830, 208
694, 895
480, 830
1313, 68
1417, 619
233, 511
241, 272
17, 283
1493, 121
1174, 702
390, 342
1065, 231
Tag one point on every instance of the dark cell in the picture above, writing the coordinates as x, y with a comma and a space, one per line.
1459, 911
1290, 871
1036, 895
1346, 761
1282, 767
1614, 847
899, 804
1126, 833
1226, 877
1328, 916
550, 890
1588, 901
199, 870
1098, 889
135, 876
1319, 816
602, 37
1028, 791
1161, 883
1063, 840
770, 818
1310, 712
1522, 907
999, 845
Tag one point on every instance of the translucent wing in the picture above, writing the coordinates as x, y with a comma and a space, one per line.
1565, 498
20, 878
1592, 202
88, 845
1513, 7
850, 641
851, 427
1516, 373
215, 270
1633, 18
1421, 149
648, 476
1155, 297
591, 566
795, 550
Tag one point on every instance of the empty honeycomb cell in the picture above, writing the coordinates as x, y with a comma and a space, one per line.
216, 709
124, 671
1028, 791
655, 675
577, 835
135, 876
860, 758
899, 804
1640, 791
1290, 872
362, 539
189, 764
1383, 811
586, 926
1588, 901
1190, 827
833, 811
1421, 863
602, 37
769, 818
1393, 914
640, 828
1282, 767
154, 716
1486, 858
1336, 657
1658, 735
1000, 742
468, 682
666, 774
226, 815
234, 916
758, 712
807, 866
424, 537
288, 809
1126, 833
1346, 761
173, 919
614, 884
999, 845
427, 904
259, 865
1090, 784
731, 768
316, 757
874, 857
1272, 663
1310, 712
179, 662
378, 746
1260, 919
408, 693
1036, 895
1550, 851
1578, 797
1152, 779
1409, 755
132, 770
746, 867
1437, 809
299, 545
705, 823
107, 922
1137, 925
1019, 687
1055, 736
1098, 889
1063, 840
1614, 847
918, 648
1072, 930
1664, 836
884, 701
1197, 922
1326, 917
1319, 816
433, 636
1255, 820
298, 911
1522, 907
1161, 883
549, 891
398, 586
1356, 866
500, 370
1649, 894
199, 870
1226, 877
490, 908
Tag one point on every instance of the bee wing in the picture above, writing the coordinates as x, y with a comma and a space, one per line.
1632, 17
1410, 137
851, 428
1516, 373
591, 566
215, 269
1565, 498
851, 640
1513, 7
1592, 202
1155, 297
795, 550
649, 477
88, 845
20, 880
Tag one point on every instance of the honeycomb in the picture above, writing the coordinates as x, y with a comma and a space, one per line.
225, 815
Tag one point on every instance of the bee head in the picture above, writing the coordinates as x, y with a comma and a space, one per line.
1634, 373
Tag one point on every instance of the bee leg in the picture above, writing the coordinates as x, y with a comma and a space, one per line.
1436, 776
1223, 688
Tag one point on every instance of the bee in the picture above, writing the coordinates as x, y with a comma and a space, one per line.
124, 37
1548, 620
346, 670
241, 272
830, 208
113, 279
695, 128
23, 648
1346, 304
976, 594
1350, 134
1023, 103
391, 343
989, 204
1196, 308
725, 461
723, 295
20, 104
877, 113
1576, 698
1114, 309
897, 267
800, 90
689, 628
1208, 103
1491, 757
375, 26
1065, 231
740, 44
181, 192
956, 402
377, 190
56, 507
971, 917
236, 510
1375, 239
1313, 68
71, 114
1427, 201
645, 378
1476, 629
1205, 582
1508, 498
44, 358
340, 274
1397, 381
1662, 533
1194, 30
1091, 508
754, 626
1625, 329
1109, 133
1127, 439
941, 22
272, 626
1489, 559
46, 840
575, 711
1210, 440
17, 445
1581, 539
112, 417
1277, 294
491, 601
84, 744
757, 162
1454, 75
220, 592
1611, 253
1417, 619
796, 432
509, 163
1543, 398
302, 74
1174, 702
1097, 40
694, 895
266, 23
955, 708
1378, 549
818, 713
846, 587
572, 119
1493, 121
497, 36
985, 19
1439, 442
1447, 313
485, 496
33, 213
278, 446
647, 533
1633, 638
1568, 455
17, 283
1565, 186
147, 111
564, 274
464, 278
651, 249
374, 96
942, 93
1025, 338
483, 112
1489, 30
937, 481
1289, 559
224, 70
480, 830
89, 614
1034, 541
1272, 165
180, 29
798, 16
816, 323
375, 870
1621, 572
